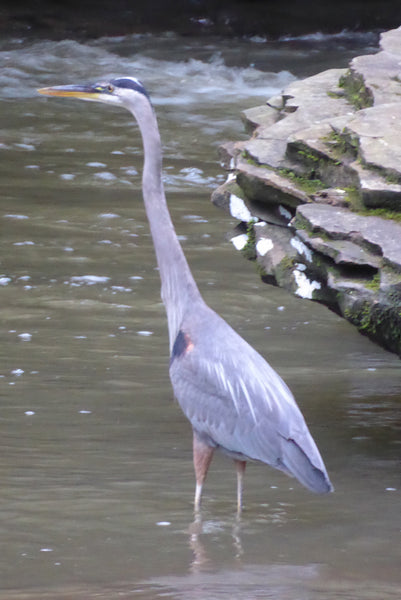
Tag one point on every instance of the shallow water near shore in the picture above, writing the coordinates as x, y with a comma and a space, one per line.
95, 464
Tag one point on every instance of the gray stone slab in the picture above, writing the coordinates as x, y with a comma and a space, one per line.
228, 154
270, 152
390, 41
381, 74
265, 185
317, 137
378, 130
375, 191
259, 115
380, 236
276, 101
307, 102
272, 245
318, 97
342, 252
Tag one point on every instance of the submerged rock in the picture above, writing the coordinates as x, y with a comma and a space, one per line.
320, 180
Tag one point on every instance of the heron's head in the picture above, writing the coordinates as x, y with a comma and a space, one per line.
123, 91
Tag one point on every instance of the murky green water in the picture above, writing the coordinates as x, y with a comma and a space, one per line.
95, 464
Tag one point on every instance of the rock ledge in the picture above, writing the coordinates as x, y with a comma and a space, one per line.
320, 186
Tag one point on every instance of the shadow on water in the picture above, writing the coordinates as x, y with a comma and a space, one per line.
95, 464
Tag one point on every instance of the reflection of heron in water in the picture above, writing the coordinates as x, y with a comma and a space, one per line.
234, 400
201, 561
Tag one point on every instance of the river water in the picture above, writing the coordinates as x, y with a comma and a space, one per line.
95, 464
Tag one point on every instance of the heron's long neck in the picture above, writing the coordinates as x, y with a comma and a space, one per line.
178, 285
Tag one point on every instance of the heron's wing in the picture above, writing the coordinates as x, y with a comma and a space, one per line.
231, 394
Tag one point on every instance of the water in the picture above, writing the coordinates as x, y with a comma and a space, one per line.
97, 482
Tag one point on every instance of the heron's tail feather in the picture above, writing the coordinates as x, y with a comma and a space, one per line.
298, 464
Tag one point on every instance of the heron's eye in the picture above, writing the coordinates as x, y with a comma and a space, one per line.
110, 88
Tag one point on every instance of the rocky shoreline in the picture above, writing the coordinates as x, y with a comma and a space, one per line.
317, 190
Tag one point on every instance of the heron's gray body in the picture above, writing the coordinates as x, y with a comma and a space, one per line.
232, 397
234, 400
238, 403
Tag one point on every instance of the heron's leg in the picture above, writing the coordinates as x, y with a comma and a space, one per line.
240, 464
202, 454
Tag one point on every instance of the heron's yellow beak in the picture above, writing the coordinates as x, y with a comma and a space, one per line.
85, 92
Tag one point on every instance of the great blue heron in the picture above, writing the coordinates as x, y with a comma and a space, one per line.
233, 399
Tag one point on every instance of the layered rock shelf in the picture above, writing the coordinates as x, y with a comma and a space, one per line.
317, 190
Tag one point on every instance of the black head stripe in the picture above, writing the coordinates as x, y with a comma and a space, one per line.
132, 84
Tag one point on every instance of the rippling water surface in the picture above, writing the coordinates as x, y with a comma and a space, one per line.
95, 464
